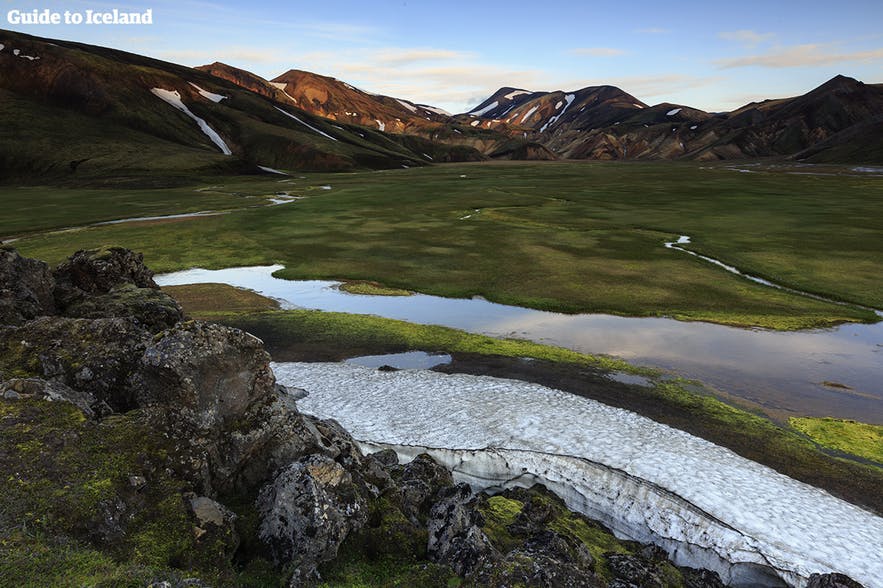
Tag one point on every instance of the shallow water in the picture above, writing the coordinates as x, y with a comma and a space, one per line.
410, 360
782, 371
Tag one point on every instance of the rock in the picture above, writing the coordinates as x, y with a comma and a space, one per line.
101, 270
113, 282
91, 356
26, 288
637, 570
137, 482
546, 559
307, 512
832, 581
387, 458
209, 373
216, 527
699, 578
53, 391
455, 535
420, 482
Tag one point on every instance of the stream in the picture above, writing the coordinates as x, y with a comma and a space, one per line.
824, 372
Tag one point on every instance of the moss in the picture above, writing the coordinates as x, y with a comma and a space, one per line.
372, 289
499, 512
66, 501
861, 439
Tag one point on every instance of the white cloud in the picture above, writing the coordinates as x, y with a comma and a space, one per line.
597, 51
800, 56
746, 38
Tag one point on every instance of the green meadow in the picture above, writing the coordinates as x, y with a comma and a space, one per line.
570, 237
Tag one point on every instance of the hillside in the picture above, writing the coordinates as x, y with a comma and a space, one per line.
836, 122
71, 109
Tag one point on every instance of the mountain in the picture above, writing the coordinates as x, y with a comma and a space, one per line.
74, 110
837, 122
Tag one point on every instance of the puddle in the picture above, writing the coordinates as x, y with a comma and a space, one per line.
631, 379
410, 360
780, 370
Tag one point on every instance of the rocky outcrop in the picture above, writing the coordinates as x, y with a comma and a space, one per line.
308, 511
26, 287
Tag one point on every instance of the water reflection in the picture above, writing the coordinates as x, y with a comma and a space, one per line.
782, 371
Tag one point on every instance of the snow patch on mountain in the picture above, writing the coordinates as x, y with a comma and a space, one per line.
673, 112
406, 105
515, 93
304, 123
487, 108
527, 114
637, 105
440, 111
380, 125
173, 97
569, 98
208, 95
702, 501
475, 123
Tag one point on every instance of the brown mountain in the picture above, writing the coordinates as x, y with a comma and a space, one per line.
838, 121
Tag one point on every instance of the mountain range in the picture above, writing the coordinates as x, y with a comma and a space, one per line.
71, 109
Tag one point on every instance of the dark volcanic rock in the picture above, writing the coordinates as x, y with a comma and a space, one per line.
53, 391
455, 535
308, 511
94, 356
26, 287
420, 482
546, 559
113, 282
832, 581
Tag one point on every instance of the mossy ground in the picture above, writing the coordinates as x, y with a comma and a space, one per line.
372, 289
848, 436
70, 515
570, 237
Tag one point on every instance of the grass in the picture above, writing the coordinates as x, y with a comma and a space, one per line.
859, 439
372, 289
571, 237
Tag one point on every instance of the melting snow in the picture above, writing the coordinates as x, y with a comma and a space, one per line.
475, 123
569, 98
527, 114
173, 98
441, 111
209, 95
512, 95
458, 131
304, 123
380, 125
427, 156
2, 46
673, 112
406, 105
487, 108
558, 105
637, 105
272, 171
694, 127
722, 510
282, 86
16, 52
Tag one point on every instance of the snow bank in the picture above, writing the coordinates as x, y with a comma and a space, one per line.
174, 98
487, 108
406, 105
673, 112
208, 95
527, 114
304, 123
512, 95
569, 98
706, 505
380, 125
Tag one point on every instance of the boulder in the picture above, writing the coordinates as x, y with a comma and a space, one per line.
26, 288
455, 535
215, 526
53, 391
307, 512
832, 581
92, 356
113, 282
546, 559
420, 481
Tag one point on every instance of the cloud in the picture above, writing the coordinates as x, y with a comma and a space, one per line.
597, 51
400, 57
799, 56
653, 31
745, 37
233, 54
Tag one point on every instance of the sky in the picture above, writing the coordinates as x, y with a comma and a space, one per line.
711, 55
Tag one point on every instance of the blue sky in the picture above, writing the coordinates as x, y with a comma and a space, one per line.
453, 54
